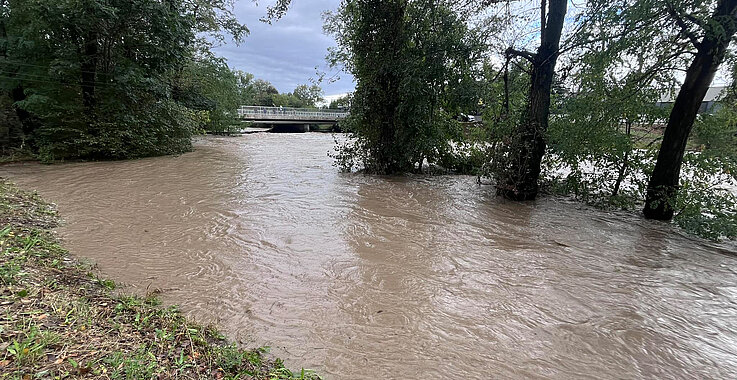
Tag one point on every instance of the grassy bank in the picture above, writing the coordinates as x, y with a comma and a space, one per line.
58, 320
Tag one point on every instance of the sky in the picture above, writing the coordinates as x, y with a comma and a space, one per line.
287, 52
292, 50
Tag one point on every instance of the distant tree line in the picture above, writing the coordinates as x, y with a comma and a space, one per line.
343, 102
263, 93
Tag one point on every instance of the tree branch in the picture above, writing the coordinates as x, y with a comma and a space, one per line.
684, 27
694, 20
524, 69
512, 52
543, 20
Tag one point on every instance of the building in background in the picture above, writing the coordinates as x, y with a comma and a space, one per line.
710, 104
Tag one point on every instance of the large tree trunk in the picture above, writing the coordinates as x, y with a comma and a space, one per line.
519, 179
663, 185
391, 38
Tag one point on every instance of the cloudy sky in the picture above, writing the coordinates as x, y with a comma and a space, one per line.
287, 52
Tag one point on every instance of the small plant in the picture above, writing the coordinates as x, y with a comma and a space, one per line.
231, 359
9, 272
282, 373
107, 284
26, 350
141, 364
182, 362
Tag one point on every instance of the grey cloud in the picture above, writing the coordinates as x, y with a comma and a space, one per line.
287, 52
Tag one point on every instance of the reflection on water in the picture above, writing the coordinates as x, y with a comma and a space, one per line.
364, 277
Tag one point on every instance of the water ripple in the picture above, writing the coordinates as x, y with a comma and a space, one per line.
410, 277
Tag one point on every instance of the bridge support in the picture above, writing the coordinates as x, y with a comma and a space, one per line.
290, 128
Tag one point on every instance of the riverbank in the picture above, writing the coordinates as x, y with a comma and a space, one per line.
60, 320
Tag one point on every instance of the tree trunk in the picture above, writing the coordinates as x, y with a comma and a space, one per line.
505, 108
390, 38
88, 69
3, 33
518, 181
663, 185
625, 163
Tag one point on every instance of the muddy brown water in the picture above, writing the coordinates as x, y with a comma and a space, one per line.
365, 277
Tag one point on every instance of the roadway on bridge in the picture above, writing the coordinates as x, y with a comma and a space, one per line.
287, 115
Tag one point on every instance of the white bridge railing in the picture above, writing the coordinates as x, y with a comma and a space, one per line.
286, 113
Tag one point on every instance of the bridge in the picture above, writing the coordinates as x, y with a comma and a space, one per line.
287, 115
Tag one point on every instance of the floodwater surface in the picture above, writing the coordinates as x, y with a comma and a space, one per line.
365, 277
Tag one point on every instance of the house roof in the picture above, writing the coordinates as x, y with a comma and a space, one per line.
712, 94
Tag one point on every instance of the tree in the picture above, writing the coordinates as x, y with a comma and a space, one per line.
343, 102
717, 31
264, 93
605, 122
209, 86
518, 177
605, 136
308, 95
89, 79
246, 90
407, 57
99, 79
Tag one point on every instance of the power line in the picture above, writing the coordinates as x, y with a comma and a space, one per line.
115, 84
10, 62
21, 77
97, 84
49, 66
48, 78
12, 73
36, 80
17, 63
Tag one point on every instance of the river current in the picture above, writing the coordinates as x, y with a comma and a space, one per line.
414, 277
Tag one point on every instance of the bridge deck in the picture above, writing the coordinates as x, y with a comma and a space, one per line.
285, 114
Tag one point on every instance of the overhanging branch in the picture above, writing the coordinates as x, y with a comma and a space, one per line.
684, 27
512, 52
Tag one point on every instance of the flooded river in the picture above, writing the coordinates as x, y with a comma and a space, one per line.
416, 278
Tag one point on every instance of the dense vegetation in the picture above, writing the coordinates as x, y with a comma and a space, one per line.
412, 60
118, 79
572, 110
265, 94
93, 79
